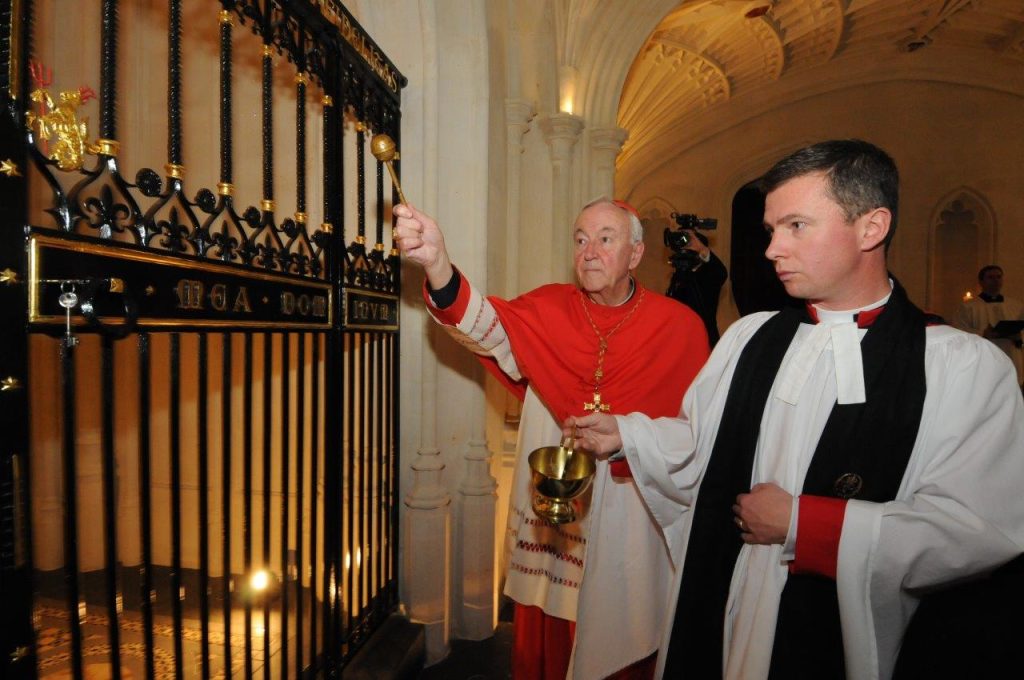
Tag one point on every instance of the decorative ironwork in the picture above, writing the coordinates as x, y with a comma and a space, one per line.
199, 260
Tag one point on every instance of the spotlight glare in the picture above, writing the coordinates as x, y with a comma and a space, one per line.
259, 580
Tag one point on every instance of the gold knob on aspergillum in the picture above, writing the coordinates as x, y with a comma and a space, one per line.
383, 149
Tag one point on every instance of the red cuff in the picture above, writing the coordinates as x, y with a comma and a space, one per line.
452, 315
819, 526
620, 468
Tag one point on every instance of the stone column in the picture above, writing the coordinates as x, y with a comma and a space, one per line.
426, 562
605, 145
518, 114
477, 497
561, 130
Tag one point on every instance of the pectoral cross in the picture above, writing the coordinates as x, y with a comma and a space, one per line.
596, 406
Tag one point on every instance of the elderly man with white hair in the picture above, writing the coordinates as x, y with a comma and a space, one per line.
606, 344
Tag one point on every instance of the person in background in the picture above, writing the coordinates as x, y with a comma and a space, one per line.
697, 281
979, 315
605, 344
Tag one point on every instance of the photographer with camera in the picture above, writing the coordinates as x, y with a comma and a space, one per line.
699, 275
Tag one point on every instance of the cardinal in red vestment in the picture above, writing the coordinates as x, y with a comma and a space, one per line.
608, 345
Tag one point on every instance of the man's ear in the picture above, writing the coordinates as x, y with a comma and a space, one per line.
875, 228
638, 252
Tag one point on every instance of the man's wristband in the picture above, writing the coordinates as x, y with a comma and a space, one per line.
445, 297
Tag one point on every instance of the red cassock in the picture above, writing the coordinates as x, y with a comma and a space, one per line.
650, 360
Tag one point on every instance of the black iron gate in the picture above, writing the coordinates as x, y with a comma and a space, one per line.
199, 377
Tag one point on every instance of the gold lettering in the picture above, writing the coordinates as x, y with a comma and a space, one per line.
287, 303
359, 43
219, 297
242, 301
319, 305
366, 310
304, 305
190, 294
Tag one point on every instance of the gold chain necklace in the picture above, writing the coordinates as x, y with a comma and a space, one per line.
602, 348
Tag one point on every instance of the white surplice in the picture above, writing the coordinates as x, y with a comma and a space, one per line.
957, 512
976, 315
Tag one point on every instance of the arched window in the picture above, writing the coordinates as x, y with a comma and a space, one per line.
962, 242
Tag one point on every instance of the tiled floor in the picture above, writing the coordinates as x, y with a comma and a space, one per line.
488, 659
54, 645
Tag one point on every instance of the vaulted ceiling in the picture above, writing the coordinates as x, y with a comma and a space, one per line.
709, 63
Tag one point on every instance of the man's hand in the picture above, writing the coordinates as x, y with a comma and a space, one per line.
420, 239
597, 433
763, 514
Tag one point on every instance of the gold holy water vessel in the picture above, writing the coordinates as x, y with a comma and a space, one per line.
560, 474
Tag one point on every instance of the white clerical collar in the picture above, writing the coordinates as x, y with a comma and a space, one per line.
838, 328
629, 295
831, 316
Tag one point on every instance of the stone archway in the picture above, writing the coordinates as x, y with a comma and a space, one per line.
961, 240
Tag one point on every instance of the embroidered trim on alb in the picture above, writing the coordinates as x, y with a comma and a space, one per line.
557, 580
490, 329
549, 549
536, 522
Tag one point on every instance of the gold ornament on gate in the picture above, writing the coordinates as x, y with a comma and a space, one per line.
560, 475
62, 135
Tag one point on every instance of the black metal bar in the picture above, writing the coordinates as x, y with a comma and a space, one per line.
69, 452
146, 593
380, 204
226, 168
367, 410
334, 372
268, 122
174, 84
108, 70
381, 465
370, 456
314, 476
285, 462
300, 142
177, 588
204, 508
351, 461
247, 454
392, 452
18, 653
267, 461
225, 493
333, 262
300, 464
113, 593
361, 181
